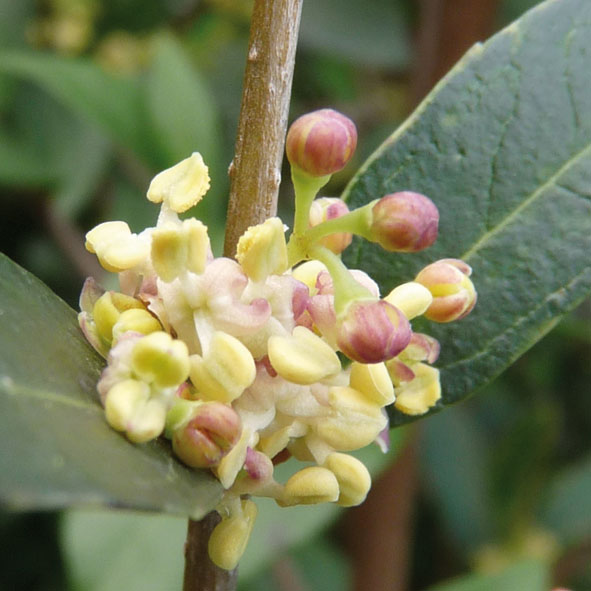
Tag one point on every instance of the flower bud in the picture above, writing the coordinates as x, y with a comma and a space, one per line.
328, 208
404, 222
303, 358
310, 486
229, 538
206, 438
371, 331
353, 478
158, 358
182, 186
453, 293
321, 143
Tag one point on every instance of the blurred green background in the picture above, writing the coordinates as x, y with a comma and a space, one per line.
96, 96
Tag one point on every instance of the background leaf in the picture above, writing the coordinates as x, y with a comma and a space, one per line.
527, 575
113, 103
59, 450
503, 147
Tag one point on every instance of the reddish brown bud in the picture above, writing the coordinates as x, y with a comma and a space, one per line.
321, 143
372, 331
453, 293
404, 222
208, 436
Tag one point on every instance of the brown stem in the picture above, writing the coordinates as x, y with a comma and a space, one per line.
255, 172
201, 574
255, 176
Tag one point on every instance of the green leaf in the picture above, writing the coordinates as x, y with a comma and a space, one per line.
503, 147
568, 507
61, 450
456, 441
182, 110
106, 551
113, 103
374, 33
527, 575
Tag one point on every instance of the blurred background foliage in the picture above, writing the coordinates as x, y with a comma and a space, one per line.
96, 96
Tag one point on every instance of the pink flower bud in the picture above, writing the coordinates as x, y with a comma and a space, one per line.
453, 293
404, 222
208, 436
328, 208
371, 331
321, 143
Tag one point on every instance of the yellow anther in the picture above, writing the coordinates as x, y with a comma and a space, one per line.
107, 311
177, 248
354, 423
116, 247
226, 371
308, 273
198, 244
122, 401
169, 252
373, 381
136, 320
128, 408
310, 486
411, 298
262, 250
158, 358
230, 537
232, 463
420, 394
276, 442
353, 478
182, 186
303, 358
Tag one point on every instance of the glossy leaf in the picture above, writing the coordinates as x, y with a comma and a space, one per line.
503, 147
59, 449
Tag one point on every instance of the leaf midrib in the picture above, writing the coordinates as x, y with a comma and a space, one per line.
11, 390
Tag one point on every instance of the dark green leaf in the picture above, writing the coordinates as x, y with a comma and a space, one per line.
527, 575
59, 449
503, 147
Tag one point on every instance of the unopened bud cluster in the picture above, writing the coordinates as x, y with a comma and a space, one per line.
236, 361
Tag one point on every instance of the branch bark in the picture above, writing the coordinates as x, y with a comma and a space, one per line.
255, 172
255, 176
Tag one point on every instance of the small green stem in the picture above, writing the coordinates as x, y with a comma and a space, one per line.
346, 288
356, 222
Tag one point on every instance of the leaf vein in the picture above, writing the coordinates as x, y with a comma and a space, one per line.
532, 197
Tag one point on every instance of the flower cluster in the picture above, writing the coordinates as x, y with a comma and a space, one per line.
282, 352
